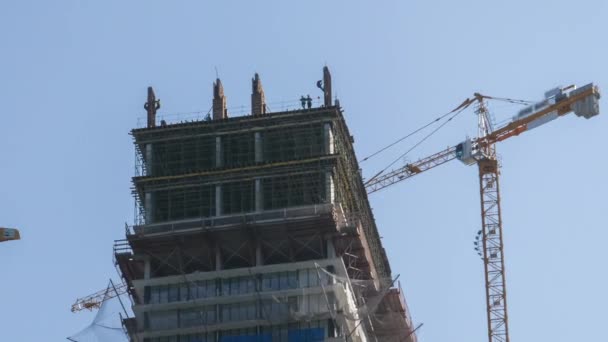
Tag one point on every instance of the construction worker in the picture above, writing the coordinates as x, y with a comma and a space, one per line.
309, 101
303, 101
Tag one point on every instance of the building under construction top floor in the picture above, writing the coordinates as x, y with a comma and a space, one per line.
256, 228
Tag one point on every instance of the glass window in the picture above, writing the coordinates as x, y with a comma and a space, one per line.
234, 286
193, 290
184, 292
189, 318
162, 320
173, 295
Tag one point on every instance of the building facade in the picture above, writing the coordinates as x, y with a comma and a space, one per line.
255, 228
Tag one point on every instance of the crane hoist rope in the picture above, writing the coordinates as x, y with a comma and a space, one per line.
461, 107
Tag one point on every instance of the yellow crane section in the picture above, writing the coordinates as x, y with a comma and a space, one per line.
482, 151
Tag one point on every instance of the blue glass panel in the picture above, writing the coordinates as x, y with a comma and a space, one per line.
306, 335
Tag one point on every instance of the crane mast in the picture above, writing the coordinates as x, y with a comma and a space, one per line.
491, 233
482, 151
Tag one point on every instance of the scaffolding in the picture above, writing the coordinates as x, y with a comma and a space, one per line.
250, 164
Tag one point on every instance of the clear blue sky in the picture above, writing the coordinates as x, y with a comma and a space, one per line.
73, 78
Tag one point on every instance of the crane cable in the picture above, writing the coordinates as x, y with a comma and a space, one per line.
463, 105
458, 110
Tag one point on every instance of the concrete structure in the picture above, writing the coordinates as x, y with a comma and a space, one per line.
256, 228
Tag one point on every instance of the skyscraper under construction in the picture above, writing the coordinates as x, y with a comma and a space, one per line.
255, 228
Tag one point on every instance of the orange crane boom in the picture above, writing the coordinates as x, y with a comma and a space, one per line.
481, 151
513, 128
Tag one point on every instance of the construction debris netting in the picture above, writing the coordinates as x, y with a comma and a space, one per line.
106, 327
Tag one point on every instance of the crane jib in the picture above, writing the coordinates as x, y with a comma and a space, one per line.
582, 101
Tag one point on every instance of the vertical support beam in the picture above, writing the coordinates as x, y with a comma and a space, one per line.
218, 258
259, 153
259, 196
259, 157
259, 257
147, 268
328, 138
331, 250
493, 251
218, 200
149, 207
219, 156
330, 194
150, 160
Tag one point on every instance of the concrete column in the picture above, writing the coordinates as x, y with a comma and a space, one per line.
149, 207
218, 200
259, 257
219, 158
259, 156
149, 160
328, 136
331, 250
330, 194
147, 268
218, 258
259, 196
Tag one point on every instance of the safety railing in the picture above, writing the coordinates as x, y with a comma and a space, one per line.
246, 218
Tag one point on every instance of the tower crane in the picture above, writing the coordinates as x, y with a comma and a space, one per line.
482, 151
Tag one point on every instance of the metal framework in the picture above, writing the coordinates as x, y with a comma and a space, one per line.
492, 243
493, 251
95, 300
